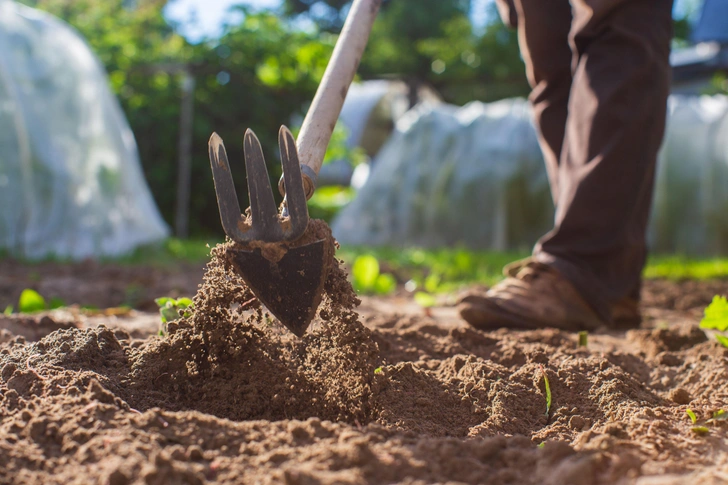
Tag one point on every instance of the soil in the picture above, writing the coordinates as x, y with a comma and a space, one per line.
377, 391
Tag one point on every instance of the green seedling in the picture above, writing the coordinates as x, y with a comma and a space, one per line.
425, 300
30, 301
541, 445
692, 416
719, 415
548, 389
716, 318
56, 303
378, 370
8, 310
367, 277
171, 309
583, 336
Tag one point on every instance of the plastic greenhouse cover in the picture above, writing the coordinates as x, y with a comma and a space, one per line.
475, 176
71, 183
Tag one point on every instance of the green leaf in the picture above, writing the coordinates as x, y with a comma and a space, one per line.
184, 303
425, 300
378, 370
169, 313
385, 284
700, 429
432, 282
722, 339
163, 301
31, 301
8, 310
690, 413
719, 415
541, 444
548, 391
56, 303
716, 315
365, 272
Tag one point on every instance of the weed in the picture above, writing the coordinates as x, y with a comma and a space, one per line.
541, 445
700, 430
8, 310
716, 318
378, 370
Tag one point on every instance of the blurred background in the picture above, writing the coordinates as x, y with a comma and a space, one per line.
106, 107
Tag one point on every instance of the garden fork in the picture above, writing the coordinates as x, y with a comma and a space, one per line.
291, 287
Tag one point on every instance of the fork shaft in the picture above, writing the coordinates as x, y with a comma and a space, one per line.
330, 96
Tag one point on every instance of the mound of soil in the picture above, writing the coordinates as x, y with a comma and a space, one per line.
229, 396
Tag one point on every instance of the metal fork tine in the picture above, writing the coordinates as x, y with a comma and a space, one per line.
227, 198
264, 213
295, 195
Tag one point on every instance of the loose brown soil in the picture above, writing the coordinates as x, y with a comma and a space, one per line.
384, 394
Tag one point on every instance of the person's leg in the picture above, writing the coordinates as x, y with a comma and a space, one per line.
543, 38
615, 119
615, 126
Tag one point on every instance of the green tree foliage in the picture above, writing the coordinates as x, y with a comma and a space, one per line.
264, 70
432, 42
259, 74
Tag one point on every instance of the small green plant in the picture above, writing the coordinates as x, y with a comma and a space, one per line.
425, 300
548, 389
31, 301
719, 415
8, 310
583, 338
541, 445
367, 278
56, 303
716, 318
171, 309
692, 416
378, 370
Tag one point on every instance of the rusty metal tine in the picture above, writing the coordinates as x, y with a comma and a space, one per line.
263, 210
227, 198
295, 195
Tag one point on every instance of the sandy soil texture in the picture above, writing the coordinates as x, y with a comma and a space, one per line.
383, 392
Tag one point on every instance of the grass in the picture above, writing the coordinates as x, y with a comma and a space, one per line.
167, 253
445, 270
683, 267
425, 270
170, 252
439, 270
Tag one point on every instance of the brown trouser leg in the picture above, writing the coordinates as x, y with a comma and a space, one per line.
600, 75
